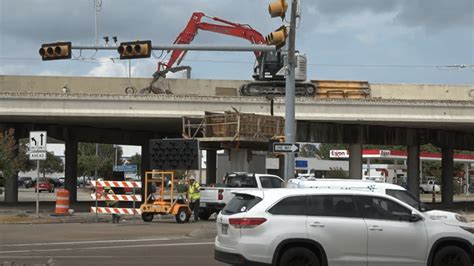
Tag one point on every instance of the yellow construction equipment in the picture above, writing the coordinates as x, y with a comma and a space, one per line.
165, 200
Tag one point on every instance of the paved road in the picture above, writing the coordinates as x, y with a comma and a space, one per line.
158, 243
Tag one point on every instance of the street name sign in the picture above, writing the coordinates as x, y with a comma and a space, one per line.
286, 147
128, 168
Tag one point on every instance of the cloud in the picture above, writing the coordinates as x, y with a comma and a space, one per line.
430, 15
110, 68
435, 15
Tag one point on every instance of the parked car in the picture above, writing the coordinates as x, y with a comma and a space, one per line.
213, 199
429, 187
471, 188
328, 226
45, 184
61, 181
27, 182
22, 181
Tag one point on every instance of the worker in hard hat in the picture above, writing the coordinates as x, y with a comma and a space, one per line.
112, 203
194, 196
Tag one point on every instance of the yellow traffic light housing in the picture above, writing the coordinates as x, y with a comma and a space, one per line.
132, 50
278, 8
278, 37
55, 51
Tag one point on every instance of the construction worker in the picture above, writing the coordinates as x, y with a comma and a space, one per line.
194, 196
112, 204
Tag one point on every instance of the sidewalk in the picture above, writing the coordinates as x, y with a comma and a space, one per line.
29, 217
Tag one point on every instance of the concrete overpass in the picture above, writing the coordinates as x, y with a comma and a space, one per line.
98, 110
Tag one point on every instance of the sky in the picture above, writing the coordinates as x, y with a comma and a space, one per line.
128, 150
387, 41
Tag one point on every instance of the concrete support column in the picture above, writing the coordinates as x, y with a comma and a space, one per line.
368, 166
70, 180
466, 177
11, 182
413, 170
355, 161
211, 166
145, 166
447, 166
238, 161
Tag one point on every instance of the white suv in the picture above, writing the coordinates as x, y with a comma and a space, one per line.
338, 227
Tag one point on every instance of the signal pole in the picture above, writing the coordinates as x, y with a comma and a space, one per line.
290, 130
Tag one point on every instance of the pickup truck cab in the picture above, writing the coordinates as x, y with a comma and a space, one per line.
213, 199
429, 187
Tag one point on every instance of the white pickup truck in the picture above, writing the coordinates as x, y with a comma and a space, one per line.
213, 199
429, 186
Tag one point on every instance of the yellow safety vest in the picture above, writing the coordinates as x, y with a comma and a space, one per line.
194, 191
111, 202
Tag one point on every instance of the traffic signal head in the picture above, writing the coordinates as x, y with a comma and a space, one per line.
132, 50
54, 51
278, 8
278, 37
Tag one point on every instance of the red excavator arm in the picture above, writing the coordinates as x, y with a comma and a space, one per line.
195, 24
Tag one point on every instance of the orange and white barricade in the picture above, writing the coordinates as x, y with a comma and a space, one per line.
107, 210
122, 184
117, 197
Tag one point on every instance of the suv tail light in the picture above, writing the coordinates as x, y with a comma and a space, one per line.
219, 194
246, 222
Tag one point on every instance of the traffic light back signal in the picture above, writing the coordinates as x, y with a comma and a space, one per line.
132, 50
278, 37
55, 51
278, 8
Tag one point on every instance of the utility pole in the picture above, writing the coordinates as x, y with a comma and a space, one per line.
290, 130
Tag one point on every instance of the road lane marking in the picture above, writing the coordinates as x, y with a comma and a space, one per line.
108, 247
95, 242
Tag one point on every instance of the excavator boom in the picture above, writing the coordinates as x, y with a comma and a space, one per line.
226, 27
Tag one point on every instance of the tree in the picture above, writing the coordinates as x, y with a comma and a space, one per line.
13, 156
308, 150
88, 161
336, 172
431, 168
52, 164
136, 159
324, 148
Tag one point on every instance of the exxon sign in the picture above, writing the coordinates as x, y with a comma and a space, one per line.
338, 154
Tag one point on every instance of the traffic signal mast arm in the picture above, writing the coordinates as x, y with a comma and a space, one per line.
195, 24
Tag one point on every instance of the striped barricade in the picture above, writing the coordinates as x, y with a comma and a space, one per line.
101, 197
109, 210
123, 184
116, 197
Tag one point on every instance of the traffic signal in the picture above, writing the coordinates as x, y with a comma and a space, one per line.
132, 50
275, 139
55, 51
278, 8
277, 37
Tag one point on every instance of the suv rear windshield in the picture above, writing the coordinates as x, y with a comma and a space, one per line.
408, 198
240, 203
